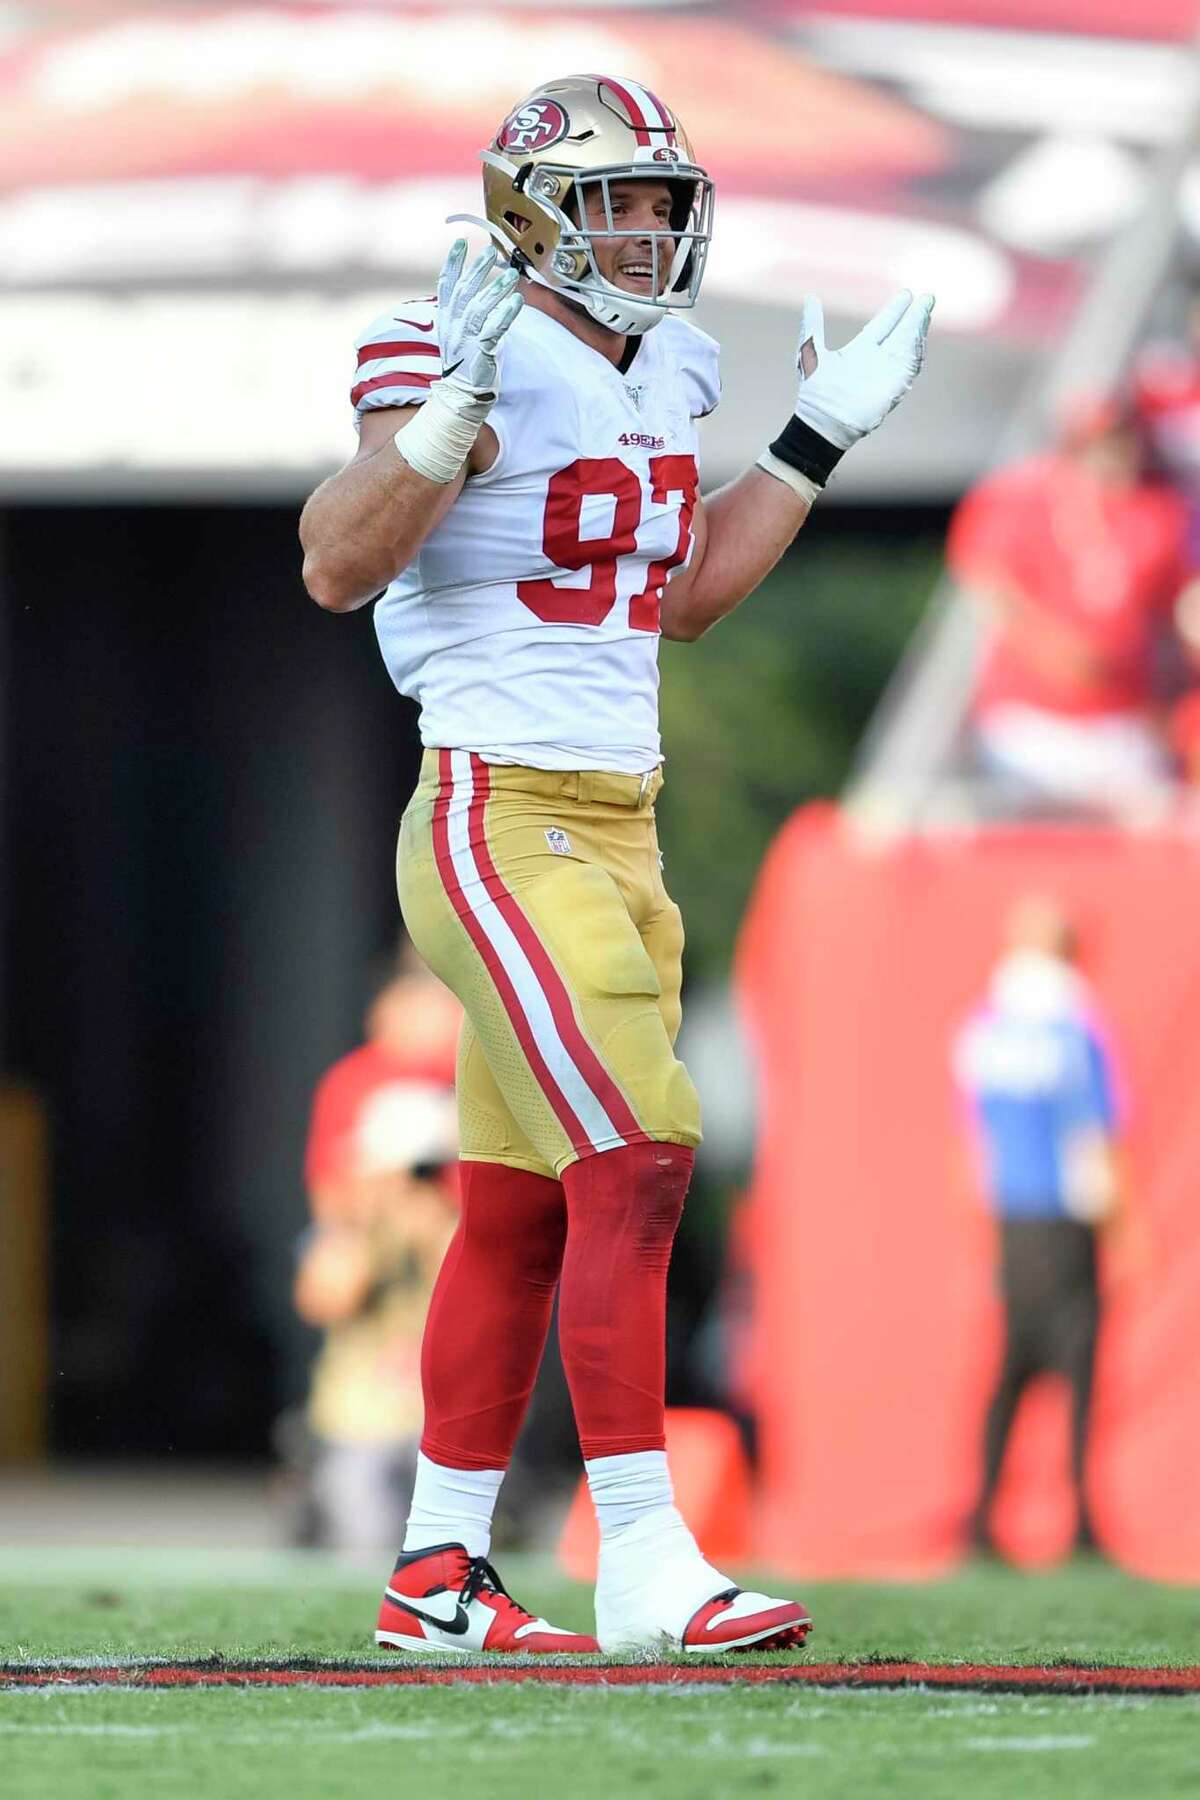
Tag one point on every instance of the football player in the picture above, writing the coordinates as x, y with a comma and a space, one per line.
525, 498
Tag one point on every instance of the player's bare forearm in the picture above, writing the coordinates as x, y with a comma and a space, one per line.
366, 523
741, 532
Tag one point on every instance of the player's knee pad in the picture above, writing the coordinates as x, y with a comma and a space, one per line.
668, 1106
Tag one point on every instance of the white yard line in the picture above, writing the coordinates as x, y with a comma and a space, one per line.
329, 1734
1043, 1741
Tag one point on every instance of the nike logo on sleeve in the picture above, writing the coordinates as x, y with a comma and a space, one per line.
413, 322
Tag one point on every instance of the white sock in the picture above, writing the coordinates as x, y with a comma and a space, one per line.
629, 1488
452, 1506
651, 1576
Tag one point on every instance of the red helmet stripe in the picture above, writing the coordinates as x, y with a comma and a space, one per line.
663, 113
637, 117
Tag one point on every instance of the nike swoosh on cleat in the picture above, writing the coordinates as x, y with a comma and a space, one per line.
730, 1594
412, 322
722, 1618
456, 1622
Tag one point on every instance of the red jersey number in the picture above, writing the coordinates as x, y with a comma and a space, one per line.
605, 476
590, 605
668, 475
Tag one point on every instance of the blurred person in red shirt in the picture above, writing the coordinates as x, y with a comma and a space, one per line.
1080, 558
412, 1027
1185, 737
1184, 721
381, 1175
1166, 394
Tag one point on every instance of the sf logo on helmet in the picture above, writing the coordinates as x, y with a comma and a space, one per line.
533, 126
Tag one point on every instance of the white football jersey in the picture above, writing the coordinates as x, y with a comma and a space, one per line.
527, 627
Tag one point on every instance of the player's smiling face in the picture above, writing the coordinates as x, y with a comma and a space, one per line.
637, 206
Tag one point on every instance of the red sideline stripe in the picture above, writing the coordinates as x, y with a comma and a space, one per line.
963, 1677
636, 117
580, 1051
400, 379
495, 968
371, 352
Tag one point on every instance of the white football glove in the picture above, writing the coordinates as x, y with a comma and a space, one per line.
844, 394
475, 309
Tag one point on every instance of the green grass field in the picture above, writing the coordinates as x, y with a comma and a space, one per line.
89, 1743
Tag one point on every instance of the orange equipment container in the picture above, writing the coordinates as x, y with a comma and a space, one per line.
877, 1326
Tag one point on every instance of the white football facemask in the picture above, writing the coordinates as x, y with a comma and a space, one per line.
675, 255
572, 268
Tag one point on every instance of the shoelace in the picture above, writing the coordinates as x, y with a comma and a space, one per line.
480, 1574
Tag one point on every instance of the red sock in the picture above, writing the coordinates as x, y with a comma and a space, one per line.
489, 1315
623, 1207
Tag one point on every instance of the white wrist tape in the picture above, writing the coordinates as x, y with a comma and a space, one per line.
439, 440
799, 484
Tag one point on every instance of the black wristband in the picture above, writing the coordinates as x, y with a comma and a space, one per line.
806, 450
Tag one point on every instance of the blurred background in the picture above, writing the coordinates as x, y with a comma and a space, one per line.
941, 1267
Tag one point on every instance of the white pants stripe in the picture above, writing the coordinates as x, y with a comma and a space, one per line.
531, 996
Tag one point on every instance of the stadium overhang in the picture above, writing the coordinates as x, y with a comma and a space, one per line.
201, 204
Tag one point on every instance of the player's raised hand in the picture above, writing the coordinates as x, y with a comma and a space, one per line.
844, 394
476, 306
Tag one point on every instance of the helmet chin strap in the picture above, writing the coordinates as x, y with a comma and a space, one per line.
627, 316
614, 310
630, 319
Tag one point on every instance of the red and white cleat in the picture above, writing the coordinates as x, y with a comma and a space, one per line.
736, 1620
655, 1593
443, 1601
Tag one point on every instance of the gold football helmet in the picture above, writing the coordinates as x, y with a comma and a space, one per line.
576, 136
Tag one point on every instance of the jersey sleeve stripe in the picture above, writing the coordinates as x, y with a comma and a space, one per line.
400, 379
372, 352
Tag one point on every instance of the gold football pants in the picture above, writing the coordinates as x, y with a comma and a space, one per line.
538, 898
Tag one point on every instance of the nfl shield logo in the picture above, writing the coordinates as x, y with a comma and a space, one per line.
558, 841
